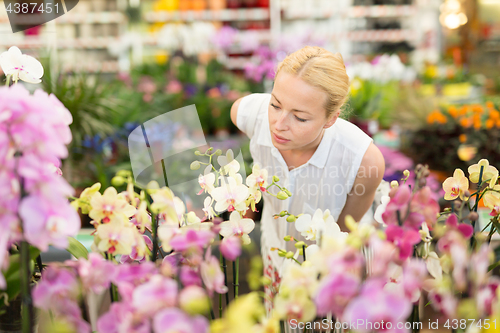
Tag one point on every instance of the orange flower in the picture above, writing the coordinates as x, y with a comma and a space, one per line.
498, 123
465, 122
452, 110
490, 105
477, 108
477, 125
464, 109
494, 114
462, 138
490, 123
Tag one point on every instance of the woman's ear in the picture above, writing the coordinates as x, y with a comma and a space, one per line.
333, 118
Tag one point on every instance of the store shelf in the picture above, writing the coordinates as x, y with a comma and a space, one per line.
95, 67
249, 14
100, 17
382, 11
379, 35
79, 43
353, 12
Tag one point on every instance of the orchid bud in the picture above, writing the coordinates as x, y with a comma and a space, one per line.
194, 300
282, 213
265, 281
422, 182
288, 192
218, 152
406, 173
287, 238
195, 165
281, 253
117, 181
123, 173
197, 153
394, 184
299, 245
473, 216
289, 255
291, 218
276, 179
282, 195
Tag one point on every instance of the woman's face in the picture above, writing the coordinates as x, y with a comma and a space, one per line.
297, 116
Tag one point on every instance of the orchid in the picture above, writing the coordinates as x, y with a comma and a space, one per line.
175, 320
258, 178
237, 226
110, 206
320, 221
230, 196
212, 276
206, 182
115, 238
230, 247
21, 66
489, 172
456, 186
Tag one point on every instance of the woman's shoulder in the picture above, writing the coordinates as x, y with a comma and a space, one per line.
350, 136
248, 109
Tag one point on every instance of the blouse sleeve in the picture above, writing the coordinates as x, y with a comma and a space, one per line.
249, 109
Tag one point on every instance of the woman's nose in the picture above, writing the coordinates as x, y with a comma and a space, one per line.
281, 122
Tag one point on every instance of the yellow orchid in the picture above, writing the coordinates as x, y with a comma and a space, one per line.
109, 206
456, 186
491, 200
84, 201
489, 172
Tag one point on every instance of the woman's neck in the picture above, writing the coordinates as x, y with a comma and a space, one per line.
297, 157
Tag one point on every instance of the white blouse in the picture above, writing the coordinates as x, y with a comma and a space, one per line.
323, 182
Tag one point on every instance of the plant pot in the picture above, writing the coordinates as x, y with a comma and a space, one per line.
10, 321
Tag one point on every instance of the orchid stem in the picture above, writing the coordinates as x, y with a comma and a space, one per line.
236, 276
27, 301
304, 252
8, 80
224, 268
154, 230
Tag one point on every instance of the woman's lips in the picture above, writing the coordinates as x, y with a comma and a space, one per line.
279, 139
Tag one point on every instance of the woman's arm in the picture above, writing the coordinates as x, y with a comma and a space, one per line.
234, 110
370, 174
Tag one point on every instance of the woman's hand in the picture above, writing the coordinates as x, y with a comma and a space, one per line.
370, 174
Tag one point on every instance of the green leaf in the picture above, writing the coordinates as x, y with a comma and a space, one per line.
77, 249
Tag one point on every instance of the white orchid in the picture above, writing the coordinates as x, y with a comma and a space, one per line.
229, 166
21, 66
237, 226
381, 209
206, 182
209, 211
324, 222
230, 196
258, 178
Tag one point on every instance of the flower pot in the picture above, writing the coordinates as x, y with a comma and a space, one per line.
10, 321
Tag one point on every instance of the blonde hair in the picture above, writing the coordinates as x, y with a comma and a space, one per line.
322, 69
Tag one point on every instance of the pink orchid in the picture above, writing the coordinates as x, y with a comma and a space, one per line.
96, 273
212, 276
189, 276
48, 223
175, 320
426, 206
335, 292
390, 309
121, 318
157, 293
404, 238
191, 240
465, 229
230, 247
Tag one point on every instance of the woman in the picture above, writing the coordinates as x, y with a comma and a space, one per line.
296, 134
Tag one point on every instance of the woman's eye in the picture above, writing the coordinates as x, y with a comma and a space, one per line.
274, 106
300, 119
